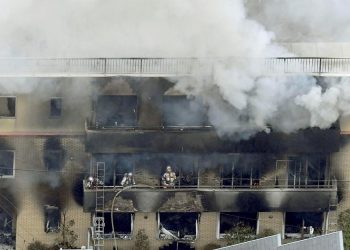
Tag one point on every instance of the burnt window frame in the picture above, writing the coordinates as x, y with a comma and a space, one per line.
56, 116
6, 223
302, 215
15, 115
132, 227
13, 164
61, 160
174, 212
220, 235
105, 125
46, 209
206, 122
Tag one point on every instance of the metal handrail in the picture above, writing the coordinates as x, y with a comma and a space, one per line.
166, 66
331, 185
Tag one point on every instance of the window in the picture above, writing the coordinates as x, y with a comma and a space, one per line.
116, 166
302, 171
7, 232
294, 222
52, 219
178, 226
55, 107
6, 222
123, 225
176, 245
231, 220
116, 111
53, 159
179, 111
7, 163
7, 106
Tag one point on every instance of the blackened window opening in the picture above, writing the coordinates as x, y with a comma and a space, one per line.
295, 221
52, 219
5, 223
7, 106
53, 160
176, 245
181, 225
6, 163
55, 107
116, 111
230, 220
180, 111
122, 224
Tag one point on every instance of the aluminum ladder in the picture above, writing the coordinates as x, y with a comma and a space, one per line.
98, 219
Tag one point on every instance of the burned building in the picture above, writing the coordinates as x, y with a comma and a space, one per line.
67, 145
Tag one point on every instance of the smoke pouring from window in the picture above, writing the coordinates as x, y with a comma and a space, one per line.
240, 101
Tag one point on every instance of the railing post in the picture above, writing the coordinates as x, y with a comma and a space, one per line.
105, 66
141, 65
320, 66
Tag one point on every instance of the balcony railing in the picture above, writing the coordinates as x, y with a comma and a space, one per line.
163, 66
202, 183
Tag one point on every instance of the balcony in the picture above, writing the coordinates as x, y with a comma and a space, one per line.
157, 67
252, 198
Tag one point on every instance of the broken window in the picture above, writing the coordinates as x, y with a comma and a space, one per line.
296, 171
116, 111
180, 111
176, 245
7, 163
316, 170
52, 219
230, 220
123, 225
53, 160
117, 165
5, 223
55, 107
7, 106
304, 223
299, 171
178, 226
246, 170
7, 239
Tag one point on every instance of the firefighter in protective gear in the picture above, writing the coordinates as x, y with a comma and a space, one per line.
169, 178
128, 180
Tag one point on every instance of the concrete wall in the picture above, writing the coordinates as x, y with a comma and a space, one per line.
33, 187
272, 221
33, 105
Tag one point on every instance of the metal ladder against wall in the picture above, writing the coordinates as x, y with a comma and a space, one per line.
98, 220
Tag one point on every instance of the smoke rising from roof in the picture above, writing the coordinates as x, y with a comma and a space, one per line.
240, 101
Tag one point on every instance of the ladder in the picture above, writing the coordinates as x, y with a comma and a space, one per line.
98, 219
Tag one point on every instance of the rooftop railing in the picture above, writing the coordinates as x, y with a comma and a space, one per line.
163, 66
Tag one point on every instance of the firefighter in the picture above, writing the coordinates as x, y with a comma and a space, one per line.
89, 182
128, 180
169, 178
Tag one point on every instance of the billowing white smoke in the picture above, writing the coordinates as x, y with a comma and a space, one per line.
240, 100
303, 20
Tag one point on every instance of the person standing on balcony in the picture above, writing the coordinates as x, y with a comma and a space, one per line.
169, 178
128, 180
